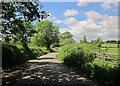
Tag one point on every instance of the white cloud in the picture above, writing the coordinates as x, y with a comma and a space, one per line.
70, 13
54, 19
58, 21
109, 5
51, 17
94, 26
62, 30
106, 5
93, 15
81, 4
110, 27
70, 21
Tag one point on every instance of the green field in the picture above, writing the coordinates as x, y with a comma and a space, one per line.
112, 50
110, 45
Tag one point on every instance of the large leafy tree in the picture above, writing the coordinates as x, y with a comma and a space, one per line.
47, 34
15, 17
66, 35
66, 38
67, 41
56, 33
38, 39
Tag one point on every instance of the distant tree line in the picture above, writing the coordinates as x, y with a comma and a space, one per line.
113, 41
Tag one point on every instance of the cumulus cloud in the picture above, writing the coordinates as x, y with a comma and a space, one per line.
70, 21
93, 15
96, 25
62, 30
106, 5
109, 5
82, 4
110, 27
71, 12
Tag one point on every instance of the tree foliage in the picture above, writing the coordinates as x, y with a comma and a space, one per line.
47, 33
66, 35
84, 40
15, 13
97, 42
67, 41
66, 38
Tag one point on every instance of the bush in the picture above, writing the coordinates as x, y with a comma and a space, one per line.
82, 57
13, 55
103, 71
55, 45
75, 55
38, 51
66, 41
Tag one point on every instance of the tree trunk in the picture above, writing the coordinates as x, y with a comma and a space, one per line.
48, 46
24, 43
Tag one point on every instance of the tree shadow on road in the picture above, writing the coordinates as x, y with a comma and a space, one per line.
46, 73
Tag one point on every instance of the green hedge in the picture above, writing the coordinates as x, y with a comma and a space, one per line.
75, 55
13, 55
38, 51
82, 57
105, 72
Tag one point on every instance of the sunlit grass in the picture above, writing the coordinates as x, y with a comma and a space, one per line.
110, 45
113, 52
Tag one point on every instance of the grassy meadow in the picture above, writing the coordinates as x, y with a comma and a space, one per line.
112, 49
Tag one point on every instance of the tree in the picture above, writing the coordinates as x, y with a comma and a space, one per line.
56, 34
38, 39
67, 41
97, 42
66, 38
24, 32
56, 38
111, 41
48, 31
66, 35
84, 40
13, 16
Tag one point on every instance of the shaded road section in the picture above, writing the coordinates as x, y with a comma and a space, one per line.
47, 70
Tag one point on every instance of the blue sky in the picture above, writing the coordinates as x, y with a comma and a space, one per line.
92, 19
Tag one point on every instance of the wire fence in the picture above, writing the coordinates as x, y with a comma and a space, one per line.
108, 56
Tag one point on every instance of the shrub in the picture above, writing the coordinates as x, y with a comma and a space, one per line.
38, 51
82, 57
13, 55
55, 45
103, 71
76, 55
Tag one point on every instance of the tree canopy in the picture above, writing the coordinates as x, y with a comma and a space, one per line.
66, 38
15, 13
47, 34
66, 35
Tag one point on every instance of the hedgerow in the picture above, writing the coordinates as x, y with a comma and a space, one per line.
13, 55
83, 57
